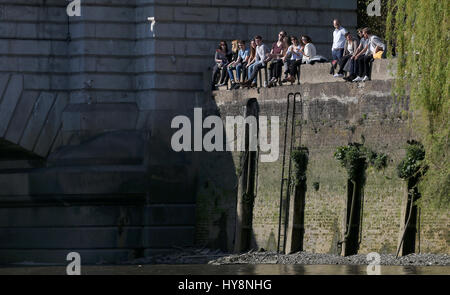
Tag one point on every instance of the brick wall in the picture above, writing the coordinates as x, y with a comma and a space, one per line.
335, 114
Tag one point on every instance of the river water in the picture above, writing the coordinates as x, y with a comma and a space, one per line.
261, 269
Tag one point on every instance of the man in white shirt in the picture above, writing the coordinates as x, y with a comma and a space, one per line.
338, 40
261, 58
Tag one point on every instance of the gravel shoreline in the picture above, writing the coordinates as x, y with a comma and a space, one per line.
217, 257
305, 258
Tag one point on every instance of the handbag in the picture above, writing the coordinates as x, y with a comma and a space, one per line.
348, 66
378, 55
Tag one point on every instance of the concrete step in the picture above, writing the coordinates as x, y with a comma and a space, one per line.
36, 257
98, 184
78, 216
97, 237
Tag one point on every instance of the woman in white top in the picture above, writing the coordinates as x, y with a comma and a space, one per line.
309, 50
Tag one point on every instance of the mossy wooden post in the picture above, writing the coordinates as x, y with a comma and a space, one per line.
242, 188
246, 190
350, 243
403, 217
410, 169
295, 231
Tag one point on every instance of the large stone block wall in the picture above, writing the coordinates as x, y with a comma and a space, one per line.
34, 73
335, 114
186, 34
112, 55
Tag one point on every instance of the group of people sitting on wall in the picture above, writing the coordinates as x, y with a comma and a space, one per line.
353, 57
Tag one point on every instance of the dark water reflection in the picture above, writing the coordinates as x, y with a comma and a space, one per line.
263, 269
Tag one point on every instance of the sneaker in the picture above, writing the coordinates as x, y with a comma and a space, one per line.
338, 75
358, 79
366, 78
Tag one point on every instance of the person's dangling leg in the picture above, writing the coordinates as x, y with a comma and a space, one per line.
238, 72
214, 77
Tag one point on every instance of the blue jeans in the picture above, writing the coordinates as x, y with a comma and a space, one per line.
253, 69
337, 54
238, 69
230, 73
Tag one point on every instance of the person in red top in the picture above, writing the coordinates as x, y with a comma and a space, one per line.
275, 64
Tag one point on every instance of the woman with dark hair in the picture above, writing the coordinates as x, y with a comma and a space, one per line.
293, 59
287, 40
275, 65
309, 50
220, 67
350, 47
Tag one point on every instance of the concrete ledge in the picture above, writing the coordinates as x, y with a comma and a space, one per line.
345, 91
382, 69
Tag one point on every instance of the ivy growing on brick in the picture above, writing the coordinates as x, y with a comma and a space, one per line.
356, 158
300, 157
413, 163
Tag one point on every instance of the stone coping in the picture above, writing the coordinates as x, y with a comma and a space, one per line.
382, 69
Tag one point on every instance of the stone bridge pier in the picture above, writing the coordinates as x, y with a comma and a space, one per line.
86, 105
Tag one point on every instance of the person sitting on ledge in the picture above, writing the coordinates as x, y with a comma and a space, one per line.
221, 62
373, 46
349, 50
293, 58
356, 56
275, 65
286, 60
239, 64
309, 51
234, 56
261, 58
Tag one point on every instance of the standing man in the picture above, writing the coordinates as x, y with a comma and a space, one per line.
338, 41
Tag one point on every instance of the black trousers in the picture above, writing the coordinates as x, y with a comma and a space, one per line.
219, 75
293, 67
342, 63
275, 68
364, 65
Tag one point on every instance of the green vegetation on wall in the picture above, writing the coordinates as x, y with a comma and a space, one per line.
300, 158
412, 165
355, 158
420, 31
